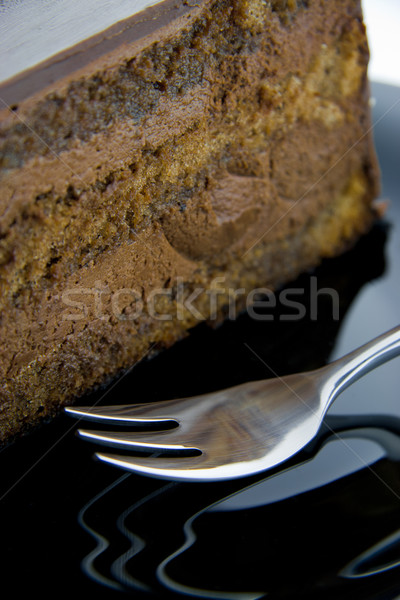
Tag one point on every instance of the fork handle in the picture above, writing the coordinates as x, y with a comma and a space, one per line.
359, 362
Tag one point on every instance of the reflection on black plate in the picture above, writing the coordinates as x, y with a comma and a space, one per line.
324, 525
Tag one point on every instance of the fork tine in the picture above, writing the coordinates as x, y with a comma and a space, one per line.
158, 441
192, 468
138, 414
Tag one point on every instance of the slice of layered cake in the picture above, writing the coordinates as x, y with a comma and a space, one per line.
153, 169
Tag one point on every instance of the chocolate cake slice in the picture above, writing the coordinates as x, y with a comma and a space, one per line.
157, 172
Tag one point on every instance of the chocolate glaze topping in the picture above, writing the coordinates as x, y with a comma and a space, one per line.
194, 141
152, 22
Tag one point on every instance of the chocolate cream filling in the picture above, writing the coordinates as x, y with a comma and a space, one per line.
229, 140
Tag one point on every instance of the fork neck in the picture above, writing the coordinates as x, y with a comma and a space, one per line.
358, 363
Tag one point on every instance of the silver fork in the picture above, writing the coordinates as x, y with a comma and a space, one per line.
235, 432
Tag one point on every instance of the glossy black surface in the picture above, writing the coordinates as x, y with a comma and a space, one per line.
325, 525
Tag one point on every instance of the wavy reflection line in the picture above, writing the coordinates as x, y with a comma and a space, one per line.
118, 567
102, 543
373, 561
387, 439
190, 539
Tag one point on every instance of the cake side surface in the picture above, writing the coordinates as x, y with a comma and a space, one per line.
232, 151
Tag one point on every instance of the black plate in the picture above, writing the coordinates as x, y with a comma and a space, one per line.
327, 524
